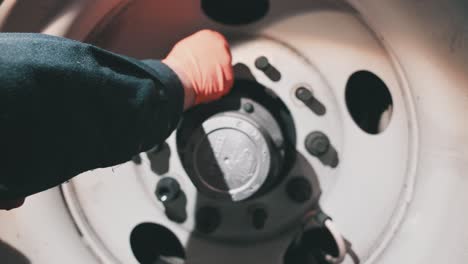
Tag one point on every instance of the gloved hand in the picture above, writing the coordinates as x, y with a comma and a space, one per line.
203, 63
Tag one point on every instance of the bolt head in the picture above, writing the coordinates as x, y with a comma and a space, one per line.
248, 107
262, 63
167, 190
317, 144
303, 94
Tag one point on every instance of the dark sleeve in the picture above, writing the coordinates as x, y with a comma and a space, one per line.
67, 107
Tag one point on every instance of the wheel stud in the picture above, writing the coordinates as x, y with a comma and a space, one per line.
270, 71
262, 63
167, 190
303, 94
248, 107
317, 144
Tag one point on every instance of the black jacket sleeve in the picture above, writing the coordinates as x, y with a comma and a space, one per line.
67, 107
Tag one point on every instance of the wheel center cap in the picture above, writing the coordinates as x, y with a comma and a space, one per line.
226, 159
231, 157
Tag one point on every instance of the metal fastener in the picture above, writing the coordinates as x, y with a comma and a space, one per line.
248, 107
303, 94
270, 71
167, 189
262, 63
317, 143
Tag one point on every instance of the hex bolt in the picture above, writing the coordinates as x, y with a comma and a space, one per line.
317, 143
167, 189
299, 190
262, 63
259, 217
303, 94
207, 219
248, 107
270, 71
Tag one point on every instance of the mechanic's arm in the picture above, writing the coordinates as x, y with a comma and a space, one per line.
68, 107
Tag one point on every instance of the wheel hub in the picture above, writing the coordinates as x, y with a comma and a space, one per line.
234, 152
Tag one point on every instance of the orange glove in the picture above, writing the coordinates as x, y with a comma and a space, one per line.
203, 63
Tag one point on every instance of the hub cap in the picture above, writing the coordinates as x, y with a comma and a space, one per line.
231, 157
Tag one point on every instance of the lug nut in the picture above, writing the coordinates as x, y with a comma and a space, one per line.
307, 97
317, 143
303, 94
262, 63
248, 107
167, 190
299, 190
207, 219
270, 71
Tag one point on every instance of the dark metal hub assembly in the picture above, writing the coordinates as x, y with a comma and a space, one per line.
233, 149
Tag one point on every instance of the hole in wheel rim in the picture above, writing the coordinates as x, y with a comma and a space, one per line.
235, 12
151, 242
369, 102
